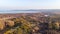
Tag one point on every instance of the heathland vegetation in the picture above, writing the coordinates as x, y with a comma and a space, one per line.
30, 24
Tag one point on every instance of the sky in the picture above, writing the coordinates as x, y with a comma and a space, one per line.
29, 4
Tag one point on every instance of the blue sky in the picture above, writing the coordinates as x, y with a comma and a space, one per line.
29, 4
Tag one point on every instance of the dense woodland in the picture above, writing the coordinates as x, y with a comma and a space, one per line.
31, 24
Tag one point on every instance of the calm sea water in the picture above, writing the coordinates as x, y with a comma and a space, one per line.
19, 11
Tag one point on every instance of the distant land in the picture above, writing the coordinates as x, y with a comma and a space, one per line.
56, 11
